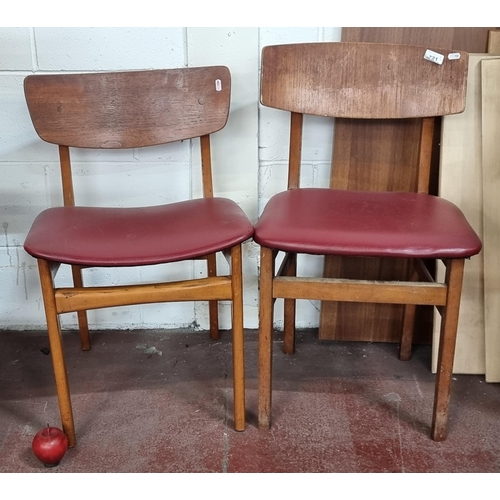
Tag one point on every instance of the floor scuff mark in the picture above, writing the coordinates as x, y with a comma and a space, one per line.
149, 350
418, 387
392, 397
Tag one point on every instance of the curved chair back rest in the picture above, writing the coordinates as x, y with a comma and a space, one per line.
363, 80
128, 109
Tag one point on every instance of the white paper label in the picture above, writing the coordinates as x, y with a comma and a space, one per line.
453, 56
218, 85
434, 57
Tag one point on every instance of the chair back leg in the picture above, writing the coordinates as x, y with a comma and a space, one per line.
289, 326
213, 305
289, 308
83, 325
408, 326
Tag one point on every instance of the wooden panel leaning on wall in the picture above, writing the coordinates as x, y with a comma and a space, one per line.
394, 150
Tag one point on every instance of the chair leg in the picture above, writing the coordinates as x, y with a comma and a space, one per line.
213, 304
447, 340
83, 324
289, 314
57, 352
238, 340
265, 336
289, 327
408, 326
407, 336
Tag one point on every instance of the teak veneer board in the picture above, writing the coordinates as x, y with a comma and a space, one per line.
392, 149
490, 85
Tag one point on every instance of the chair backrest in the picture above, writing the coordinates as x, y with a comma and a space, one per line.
128, 109
370, 81
363, 80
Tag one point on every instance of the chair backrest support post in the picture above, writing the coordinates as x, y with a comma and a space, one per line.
206, 166
66, 177
425, 154
296, 122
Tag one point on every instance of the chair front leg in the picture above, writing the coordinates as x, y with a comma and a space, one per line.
265, 336
238, 339
56, 350
447, 341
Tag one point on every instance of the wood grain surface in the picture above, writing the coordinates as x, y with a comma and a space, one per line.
490, 86
385, 158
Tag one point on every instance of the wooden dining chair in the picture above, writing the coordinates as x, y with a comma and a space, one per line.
363, 81
135, 109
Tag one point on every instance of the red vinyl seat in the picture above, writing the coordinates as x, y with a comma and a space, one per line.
124, 110
365, 223
110, 237
368, 82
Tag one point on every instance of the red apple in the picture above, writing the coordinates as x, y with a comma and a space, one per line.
49, 445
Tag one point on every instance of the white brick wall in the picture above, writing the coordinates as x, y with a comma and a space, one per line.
249, 158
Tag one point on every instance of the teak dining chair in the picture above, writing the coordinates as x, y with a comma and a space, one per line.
135, 109
368, 82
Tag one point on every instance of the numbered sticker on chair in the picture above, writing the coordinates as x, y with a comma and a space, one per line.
434, 57
218, 85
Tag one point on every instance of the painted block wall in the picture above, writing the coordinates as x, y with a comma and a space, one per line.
249, 162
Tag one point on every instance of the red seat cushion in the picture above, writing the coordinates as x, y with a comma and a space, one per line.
363, 223
92, 236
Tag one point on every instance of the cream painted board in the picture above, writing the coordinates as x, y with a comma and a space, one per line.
494, 42
490, 83
461, 183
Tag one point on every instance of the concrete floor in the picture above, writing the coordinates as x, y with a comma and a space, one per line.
161, 401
